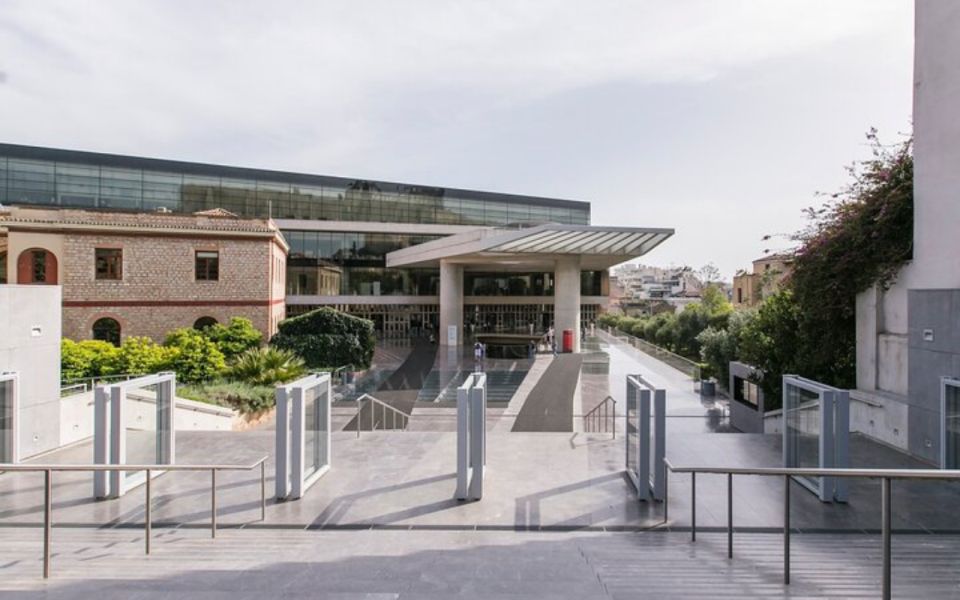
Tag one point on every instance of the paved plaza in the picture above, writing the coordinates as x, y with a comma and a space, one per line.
559, 517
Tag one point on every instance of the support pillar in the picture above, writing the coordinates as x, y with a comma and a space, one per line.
451, 303
566, 299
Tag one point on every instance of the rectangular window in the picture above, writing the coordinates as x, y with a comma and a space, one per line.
109, 263
207, 265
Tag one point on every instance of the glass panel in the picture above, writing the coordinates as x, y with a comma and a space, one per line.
315, 433
121, 188
952, 426
78, 185
162, 190
31, 182
6, 421
802, 429
633, 431
140, 416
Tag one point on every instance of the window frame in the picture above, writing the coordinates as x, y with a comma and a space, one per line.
116, 253
203, 268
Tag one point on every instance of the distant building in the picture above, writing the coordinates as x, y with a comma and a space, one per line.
642, 287
145, 274
749, 289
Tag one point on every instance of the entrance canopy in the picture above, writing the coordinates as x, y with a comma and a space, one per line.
536, 246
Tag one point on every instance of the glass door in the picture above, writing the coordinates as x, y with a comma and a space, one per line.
950, 427
8, 391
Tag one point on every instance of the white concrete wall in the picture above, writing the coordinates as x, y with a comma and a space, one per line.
30, 318
76, 416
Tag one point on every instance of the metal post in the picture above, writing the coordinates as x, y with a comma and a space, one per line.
213, 503
358, 419
786, 530
373, 407
885, 516
666, 495
693, 506
729, 515
47, 510
263, 491
147, 525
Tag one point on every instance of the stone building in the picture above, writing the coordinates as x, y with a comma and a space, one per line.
145, 274
749, 289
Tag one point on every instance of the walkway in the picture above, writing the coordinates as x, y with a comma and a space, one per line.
549, 406
258, 564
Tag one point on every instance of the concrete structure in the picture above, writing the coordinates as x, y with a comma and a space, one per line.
906, 335
747, 403
567, 250
749, 289
30, 347
149, 273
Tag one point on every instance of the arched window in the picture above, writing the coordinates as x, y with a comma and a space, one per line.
204, 322
37, 265
3, 267
107, 330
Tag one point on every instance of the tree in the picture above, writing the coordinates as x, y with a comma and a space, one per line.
326, 338
709, 273
772, 341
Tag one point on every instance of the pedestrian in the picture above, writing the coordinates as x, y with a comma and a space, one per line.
550, 335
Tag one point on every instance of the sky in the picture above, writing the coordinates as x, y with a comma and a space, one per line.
721, 119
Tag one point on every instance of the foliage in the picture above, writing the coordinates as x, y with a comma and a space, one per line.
721, 345
326, 337
140, 356
859, 239
243, 397
770, 342
87, 358
195, 358
267, 366
234, 338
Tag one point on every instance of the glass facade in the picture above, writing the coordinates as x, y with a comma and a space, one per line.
47, 177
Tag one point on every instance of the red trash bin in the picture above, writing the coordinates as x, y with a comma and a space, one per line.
568, 340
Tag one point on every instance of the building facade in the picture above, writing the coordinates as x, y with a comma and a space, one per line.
127, 274
908, 341
339, 230
749, 289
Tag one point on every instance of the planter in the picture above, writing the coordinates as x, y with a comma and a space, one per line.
708, 388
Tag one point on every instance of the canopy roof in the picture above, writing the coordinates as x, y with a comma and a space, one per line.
537, 246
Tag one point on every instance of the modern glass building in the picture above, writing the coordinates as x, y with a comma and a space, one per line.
339, 230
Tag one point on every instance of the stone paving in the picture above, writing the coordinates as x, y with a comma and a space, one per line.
538, 484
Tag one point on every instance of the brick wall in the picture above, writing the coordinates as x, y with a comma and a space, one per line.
159, 291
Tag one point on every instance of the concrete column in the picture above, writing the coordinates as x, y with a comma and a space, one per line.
566, 299
451, 301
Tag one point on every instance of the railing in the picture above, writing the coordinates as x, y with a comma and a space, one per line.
602, 416
396, 415
681, 363
886, 477
48, 471
69, 387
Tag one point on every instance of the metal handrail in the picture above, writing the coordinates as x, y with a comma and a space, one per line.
885, 475
49, 469
393, 411
594, 416
89, 383
691, 368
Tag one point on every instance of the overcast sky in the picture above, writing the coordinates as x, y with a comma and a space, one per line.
720, 119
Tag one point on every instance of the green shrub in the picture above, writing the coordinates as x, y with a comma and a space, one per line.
87, 358
234, 338
267, 366
140, 356
240, 396
195, 358
325, 337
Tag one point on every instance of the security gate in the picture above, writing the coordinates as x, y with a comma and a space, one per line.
9, 407
949, 423
303, 434
646, 437
816, 433
132, 425
471, 436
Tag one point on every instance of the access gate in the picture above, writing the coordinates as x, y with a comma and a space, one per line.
132, 424
471, 436
303, 434
646, 437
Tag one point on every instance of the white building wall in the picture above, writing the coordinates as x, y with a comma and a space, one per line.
30, 317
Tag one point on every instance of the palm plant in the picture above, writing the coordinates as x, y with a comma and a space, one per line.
267, 366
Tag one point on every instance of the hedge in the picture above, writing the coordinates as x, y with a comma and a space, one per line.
326, 337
